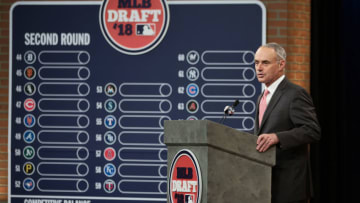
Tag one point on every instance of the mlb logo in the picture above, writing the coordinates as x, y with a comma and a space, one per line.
109, 186
192, 106
29, 120
29, 89
109, 170
189, 198
110, 105
148, 29
110, 89
29, 104
110, 138
148, 24
192, 57
29, 73
109, 154
184, 183
110, 121
29, 184
29, 168
29, 136
192, 90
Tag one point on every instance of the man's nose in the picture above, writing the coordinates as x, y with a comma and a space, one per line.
259, 67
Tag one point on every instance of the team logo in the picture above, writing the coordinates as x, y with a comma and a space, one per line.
30, 57
29, 104
110, 105
29, 73
192, 118
185, 178
134, 27
192, 106
110, 121
29, 120
109, 186
29, 152
29, 184
146, 29
192, 57
110, 89
110, 138
192, 90
29, 136
29, 89
109, 170
109, 154
28, 168
192, 74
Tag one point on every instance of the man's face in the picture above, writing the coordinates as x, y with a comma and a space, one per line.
268, 68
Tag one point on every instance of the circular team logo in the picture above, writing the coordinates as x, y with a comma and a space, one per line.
109, 170
110, 89
29, 73
29, 120
185, 178
29, 136
192, 57
109, 138
110, 121
29, 184
29, 89
29, 168
110, 105
134, 27
30, 57
29, 104
109, 154
192, 106
192, 90
109, 186
29, 152
192, 73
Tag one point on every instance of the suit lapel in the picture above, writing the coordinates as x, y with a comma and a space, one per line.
274, 100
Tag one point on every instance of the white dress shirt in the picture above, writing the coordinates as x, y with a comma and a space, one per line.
272, 88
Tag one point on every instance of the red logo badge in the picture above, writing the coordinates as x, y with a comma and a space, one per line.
109, 154
134, 26
29, 104
185, 182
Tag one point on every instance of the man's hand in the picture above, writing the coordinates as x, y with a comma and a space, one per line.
265, 141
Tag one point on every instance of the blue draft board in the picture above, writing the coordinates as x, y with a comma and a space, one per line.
87, 121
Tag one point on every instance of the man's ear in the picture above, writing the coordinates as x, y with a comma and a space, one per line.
282, 64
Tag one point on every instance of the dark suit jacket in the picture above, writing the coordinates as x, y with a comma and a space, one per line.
291, 115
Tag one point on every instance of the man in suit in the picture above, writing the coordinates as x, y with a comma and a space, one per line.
285, 119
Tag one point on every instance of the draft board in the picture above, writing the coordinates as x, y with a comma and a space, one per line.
86, 121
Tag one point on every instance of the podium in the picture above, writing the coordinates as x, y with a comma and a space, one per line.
232, 170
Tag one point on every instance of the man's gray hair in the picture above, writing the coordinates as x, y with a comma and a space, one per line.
280, 51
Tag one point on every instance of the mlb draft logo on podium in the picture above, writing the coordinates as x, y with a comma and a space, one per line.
185, 182
134, 27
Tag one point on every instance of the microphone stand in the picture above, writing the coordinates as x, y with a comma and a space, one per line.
221, 121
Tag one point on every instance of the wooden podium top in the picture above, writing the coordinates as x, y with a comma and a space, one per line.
209, 133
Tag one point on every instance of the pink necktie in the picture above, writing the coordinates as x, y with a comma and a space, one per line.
263, 105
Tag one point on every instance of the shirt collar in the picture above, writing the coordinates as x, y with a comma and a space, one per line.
272, 88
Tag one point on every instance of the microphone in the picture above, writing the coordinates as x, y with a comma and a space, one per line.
229, 110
